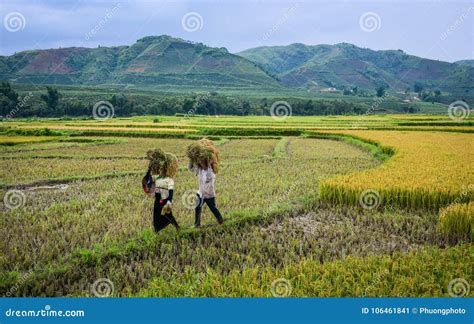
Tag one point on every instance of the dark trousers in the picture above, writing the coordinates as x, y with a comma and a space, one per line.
161, 221
211, 203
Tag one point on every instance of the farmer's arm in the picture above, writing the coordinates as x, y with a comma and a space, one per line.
150, 194
170, 191
192, 168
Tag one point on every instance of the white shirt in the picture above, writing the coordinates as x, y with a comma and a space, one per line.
207, 182
163, 185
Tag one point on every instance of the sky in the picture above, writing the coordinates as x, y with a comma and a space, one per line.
436, 29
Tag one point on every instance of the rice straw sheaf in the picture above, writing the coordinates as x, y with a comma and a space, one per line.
162, 163
203, 154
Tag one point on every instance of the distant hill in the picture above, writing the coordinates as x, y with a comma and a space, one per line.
346, 65
164, 61
466, 62
151, 61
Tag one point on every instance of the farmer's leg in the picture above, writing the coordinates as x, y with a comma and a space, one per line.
159, 222
172, 220
197, 211
211, 202
156, 213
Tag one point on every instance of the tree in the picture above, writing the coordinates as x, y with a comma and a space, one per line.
246, 108
380, 91
7, 91
347, 92
123, 106
411, 109
51, 98
8, 98
188, 106
418, 87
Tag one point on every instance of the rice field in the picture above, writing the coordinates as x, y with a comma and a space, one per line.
171, 126
290, 192
15, 140
428, 170
457, 221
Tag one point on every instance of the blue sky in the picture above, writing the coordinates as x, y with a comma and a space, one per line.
435, 29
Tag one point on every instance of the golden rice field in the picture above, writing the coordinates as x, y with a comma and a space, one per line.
291, 192
254, 125
14, 140
428, 170
457, 220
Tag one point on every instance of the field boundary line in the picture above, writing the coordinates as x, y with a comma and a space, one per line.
379, 151
281, 148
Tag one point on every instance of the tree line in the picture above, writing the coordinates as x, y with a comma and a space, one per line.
53, 103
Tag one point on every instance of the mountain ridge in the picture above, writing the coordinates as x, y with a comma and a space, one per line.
165, 60
346, 65
157, 60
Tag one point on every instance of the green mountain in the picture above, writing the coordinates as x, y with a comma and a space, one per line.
466, 62
164, 61
151, 61
346, 65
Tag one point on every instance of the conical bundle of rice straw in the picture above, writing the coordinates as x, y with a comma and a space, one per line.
204, 154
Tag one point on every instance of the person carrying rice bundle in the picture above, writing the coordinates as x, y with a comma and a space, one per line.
204, 162
164, 166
